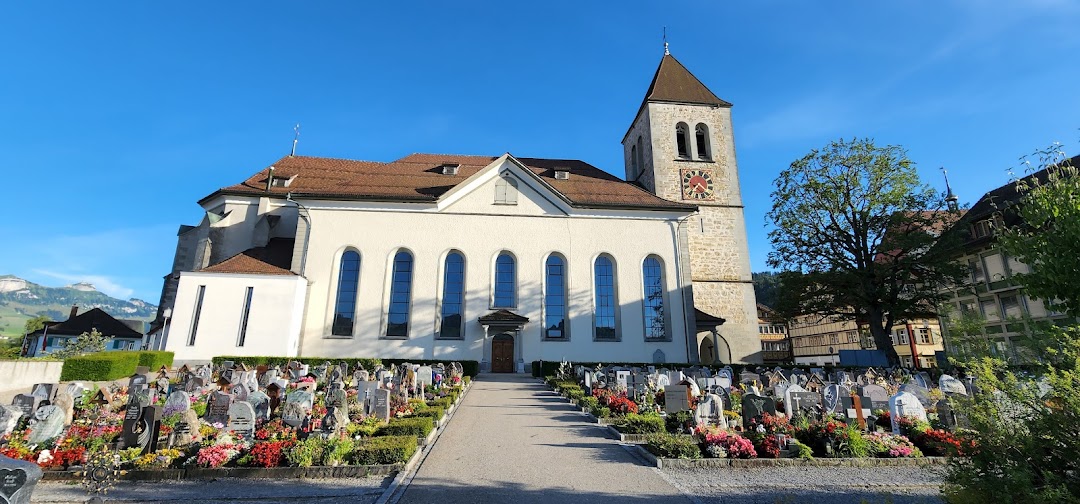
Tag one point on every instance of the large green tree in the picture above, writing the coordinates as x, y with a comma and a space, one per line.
859, 236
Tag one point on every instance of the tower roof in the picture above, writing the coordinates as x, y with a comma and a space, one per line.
674, 83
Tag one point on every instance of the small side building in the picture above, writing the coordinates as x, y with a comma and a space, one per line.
55, 335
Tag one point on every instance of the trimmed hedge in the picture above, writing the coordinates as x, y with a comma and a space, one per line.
634, 423
470, 368
435, 412
541, 369
155, 359
101, 366
673, 446
416, 426
442, 402
384, 450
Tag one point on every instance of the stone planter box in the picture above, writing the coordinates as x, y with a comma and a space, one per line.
725, 463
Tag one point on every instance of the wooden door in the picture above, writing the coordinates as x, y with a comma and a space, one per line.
502, 354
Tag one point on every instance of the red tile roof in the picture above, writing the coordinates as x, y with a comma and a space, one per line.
419, 178
245, 263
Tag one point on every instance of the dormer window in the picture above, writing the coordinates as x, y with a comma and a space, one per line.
983, 228
450, 168
562, 173
276, 181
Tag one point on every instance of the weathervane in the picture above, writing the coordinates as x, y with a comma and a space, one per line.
296, 138
666, 52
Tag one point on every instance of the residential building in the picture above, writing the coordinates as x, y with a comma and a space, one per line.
499, 259
53, 337
773, 331
817, 340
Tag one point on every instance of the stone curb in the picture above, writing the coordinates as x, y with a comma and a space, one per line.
627, 438
711, 463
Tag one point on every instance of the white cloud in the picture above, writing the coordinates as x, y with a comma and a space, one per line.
102, 283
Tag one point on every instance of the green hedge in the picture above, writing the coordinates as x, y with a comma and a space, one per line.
435, 412
673, 446
384, 450
408, 426
442, 402
101, 366
470, 368
541, 369
634, 423
155, 359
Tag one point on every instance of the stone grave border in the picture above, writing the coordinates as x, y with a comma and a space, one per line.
345, 471
728, 463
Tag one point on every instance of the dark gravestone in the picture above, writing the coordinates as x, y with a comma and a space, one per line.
382, 404
875, 397
44, 390
217, 409
754, 407
17, 480
831, 402
274, 392
25, 403
261, 403
808, 403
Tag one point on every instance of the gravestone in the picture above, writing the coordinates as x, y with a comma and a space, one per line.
66, 403
260, 402
749, 378
337, 397
919, 392
854, 410
44, 390
905, 404
922, 379
754, 408
242, 419
658, 357
424, 376
17, 480
382, 404
304, 397
239, 391
138, 379
217, 408
831, 402
26, 403
802, 401
9, 419
875, 397
675, 398
360, 376
177, 402
622, 378
334, 375
48, 423
293, 414
951, 385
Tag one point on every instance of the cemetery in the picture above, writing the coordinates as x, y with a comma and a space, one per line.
251, 416
727, 416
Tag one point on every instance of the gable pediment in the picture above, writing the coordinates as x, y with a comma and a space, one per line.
504, 187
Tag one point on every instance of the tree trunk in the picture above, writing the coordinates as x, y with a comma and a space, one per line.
880, 329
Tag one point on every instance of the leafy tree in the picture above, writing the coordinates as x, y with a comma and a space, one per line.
767, 288
858, 236
85, 343
35, 323
1025, 421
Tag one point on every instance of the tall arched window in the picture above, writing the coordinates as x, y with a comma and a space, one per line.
345, 306
506, 191
397, 315
682, 140
555, 298
453, 299
634, 167
701, 133
606, 300
505, 282
653, 275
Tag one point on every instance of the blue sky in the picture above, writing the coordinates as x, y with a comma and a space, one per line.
116, 118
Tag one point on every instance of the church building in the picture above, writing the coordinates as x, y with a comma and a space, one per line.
499, 259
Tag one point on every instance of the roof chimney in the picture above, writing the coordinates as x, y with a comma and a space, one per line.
74, 311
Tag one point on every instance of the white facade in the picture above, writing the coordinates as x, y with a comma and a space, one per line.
273, 322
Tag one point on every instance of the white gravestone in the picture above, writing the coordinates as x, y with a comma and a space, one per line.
905, 404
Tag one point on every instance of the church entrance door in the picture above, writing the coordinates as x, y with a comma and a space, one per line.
502, 354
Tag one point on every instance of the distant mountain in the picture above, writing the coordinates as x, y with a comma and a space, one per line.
21, 300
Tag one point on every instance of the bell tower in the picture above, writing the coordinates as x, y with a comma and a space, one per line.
681, 148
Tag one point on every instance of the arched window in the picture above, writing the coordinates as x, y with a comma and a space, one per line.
606, 300
345, 307
682, 140
397, 316
701, 133
505, 282
453, 300
555, 298
634, 167
653, 275
506, 191
640, 157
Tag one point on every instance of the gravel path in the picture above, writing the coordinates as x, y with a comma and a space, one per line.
513, 440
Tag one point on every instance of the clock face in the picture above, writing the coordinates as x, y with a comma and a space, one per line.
697, 184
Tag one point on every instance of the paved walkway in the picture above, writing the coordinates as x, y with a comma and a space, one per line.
513, 440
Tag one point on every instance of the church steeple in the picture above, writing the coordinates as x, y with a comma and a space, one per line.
673, 83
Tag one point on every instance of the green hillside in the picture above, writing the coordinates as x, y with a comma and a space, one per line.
21, 300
